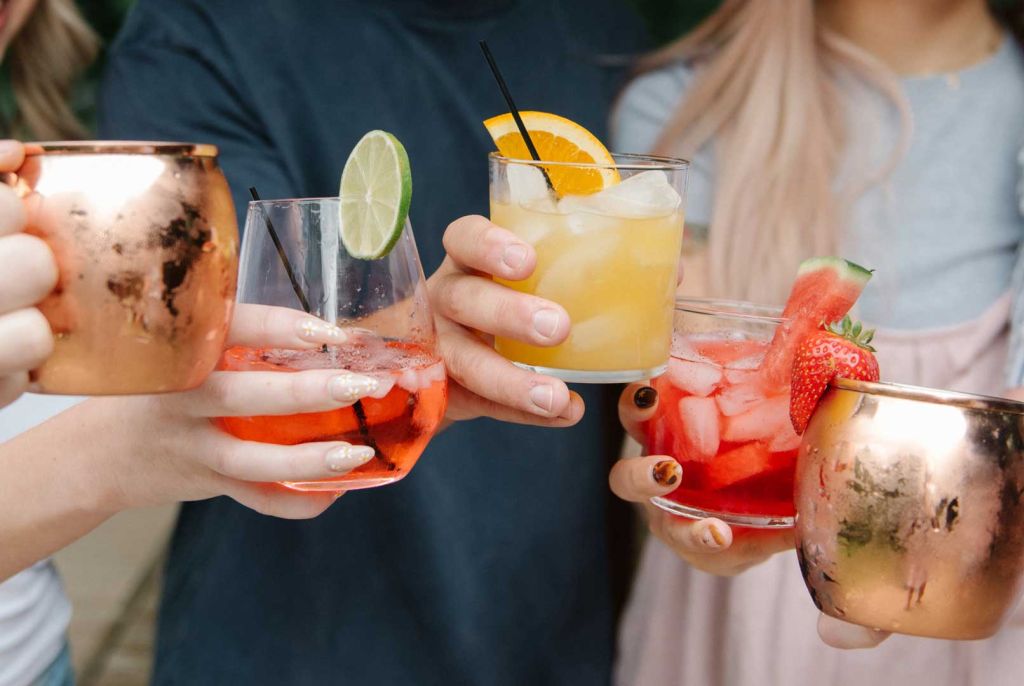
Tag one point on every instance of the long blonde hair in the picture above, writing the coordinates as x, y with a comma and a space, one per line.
46, 57
767, 98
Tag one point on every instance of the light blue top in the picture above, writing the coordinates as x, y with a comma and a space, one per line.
942, 230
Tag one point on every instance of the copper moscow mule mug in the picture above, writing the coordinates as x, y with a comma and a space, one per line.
146, 238
910, 509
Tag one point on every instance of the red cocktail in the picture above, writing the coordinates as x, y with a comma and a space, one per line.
397, 420
724, 420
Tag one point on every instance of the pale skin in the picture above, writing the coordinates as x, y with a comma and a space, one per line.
913, 39
106, 455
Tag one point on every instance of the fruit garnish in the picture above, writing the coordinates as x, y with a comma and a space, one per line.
557, 139
842, 350
824, 291
376, 188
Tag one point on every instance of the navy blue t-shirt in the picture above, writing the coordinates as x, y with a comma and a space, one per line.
493, 561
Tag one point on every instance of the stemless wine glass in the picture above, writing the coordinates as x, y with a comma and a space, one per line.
383, 305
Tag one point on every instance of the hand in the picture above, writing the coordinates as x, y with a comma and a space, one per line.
470, 309
708, 544
166, 449
28, 272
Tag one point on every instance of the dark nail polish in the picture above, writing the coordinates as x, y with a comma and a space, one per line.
667, 472
645, 397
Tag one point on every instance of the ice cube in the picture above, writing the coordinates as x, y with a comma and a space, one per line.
528, 188
764, 421
737, 399
700, 439
694, 378
570, 276
601, 332
787, 439
644, 195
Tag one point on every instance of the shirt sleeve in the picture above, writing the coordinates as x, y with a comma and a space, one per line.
641, 114
170, 77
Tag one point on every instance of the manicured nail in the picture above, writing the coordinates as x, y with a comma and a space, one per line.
645, 397
351, 387
320, 331
712, 536
345, 458
667, 472
545, 322
514, 255
543, 397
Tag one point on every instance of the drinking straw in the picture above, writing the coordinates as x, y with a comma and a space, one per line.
514, 110
284, 258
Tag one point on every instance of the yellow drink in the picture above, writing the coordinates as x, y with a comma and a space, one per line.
615, 275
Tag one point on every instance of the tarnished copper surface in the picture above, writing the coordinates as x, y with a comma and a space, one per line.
146, 240
909, 509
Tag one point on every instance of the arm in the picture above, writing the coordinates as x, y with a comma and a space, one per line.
65, 477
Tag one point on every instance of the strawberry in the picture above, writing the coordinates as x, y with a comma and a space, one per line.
840, 350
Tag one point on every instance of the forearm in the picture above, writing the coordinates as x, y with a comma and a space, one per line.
54, 487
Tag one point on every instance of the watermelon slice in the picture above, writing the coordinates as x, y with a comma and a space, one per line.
824, 291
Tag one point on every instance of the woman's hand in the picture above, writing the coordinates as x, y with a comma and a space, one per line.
470, 308
708, 544
28, 272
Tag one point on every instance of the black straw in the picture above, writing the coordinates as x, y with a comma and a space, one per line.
508, 99
284, 258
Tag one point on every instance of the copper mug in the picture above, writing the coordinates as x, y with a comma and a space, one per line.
910, 515
146, 241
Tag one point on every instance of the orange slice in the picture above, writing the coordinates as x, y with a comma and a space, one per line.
558, 140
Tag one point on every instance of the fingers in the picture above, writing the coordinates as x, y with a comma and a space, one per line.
840, 634
275, 500
12, 211
266, 462
25, 340
241, 394
12, 386
28, 271
475, 244
484, 305
12, 155
639, 479
281, 327
712, 546
637, 404
477, 367
464, 404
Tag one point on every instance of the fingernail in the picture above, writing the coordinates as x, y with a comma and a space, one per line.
645, 397
712, 537
9, 147
667, 472
514, 255
320, 331
545, 322
345, 458
352, 387
543, 397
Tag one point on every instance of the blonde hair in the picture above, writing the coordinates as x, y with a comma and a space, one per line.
46, 57
767, 97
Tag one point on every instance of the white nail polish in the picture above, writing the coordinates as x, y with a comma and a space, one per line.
351, 387
345, 458
320, 331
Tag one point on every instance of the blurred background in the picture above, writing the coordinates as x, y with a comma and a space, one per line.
112, 575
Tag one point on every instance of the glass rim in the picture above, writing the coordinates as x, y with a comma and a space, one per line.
181, 149
294, 201
971, 401
660, 162
731, 309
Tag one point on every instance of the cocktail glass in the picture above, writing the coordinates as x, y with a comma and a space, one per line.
610, 259
382, 304
721, 418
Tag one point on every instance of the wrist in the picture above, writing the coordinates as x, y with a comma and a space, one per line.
98, 487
